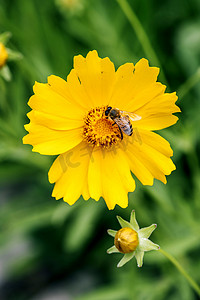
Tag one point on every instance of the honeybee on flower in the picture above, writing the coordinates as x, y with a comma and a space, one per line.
122, 119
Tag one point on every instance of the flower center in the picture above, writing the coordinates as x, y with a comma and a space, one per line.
126, 240
100, 130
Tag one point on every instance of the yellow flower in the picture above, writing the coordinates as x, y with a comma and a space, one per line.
73, 118
3, 55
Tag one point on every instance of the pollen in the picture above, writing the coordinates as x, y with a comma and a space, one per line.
99, 130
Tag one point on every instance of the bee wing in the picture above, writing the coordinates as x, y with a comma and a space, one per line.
131, 115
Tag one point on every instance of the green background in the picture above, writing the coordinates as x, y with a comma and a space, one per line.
49, 250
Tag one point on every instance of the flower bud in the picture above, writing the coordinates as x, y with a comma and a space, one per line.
126, 240
3, 55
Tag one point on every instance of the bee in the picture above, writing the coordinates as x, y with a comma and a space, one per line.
122, 119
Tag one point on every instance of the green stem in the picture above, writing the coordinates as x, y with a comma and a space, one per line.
189, 84
193, 284
141, 34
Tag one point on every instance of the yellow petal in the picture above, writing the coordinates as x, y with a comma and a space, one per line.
95, 175
157, 113
68, 89
112, 178
85, 191
164, 104
97, 76
156, 122
144, 75
50, 102
131, 81
77, 91
57, 169
156, 141
146, 95
153, 153
139, 169
54, 122
72, 182
51, 142
122, 92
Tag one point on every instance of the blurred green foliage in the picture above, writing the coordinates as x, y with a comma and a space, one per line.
49, 250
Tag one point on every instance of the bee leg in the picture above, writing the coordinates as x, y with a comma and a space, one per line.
121, 133
119, 129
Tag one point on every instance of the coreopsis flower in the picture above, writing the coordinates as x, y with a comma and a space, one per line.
100, 123
131, 240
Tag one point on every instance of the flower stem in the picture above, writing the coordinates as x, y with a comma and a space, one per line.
141, 34
189, 84
193, 284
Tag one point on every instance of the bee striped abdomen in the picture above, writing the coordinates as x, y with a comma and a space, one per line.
125, 125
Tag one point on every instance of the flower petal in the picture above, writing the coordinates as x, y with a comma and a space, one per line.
62, 88
133, 221
157, 113
147, 245
130, 81
57, 169
156, 141
95, 173
72, 181
113, 249
109, 176
123, 86
49, 101
162, 104
146, 95
144, 75
51, 142
153, 152
125, 259
146, 231
139, 257
85, 191
157, 121
97, 77
77, 91
138, 167
54, 122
